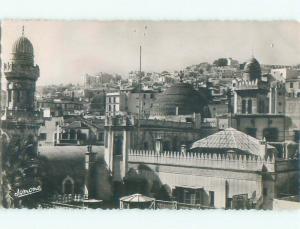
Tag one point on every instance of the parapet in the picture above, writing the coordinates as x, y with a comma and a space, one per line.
203, 160
251, 84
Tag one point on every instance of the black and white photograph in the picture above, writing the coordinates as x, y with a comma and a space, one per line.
199, 115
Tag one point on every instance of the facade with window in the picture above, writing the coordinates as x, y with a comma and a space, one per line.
219, 107
116, 103
130, 102
60, 107
286, 73
48, 130
292, 86
257, 94
259, 107
262, 126
292, 105
293, 114
140, 103
251, 98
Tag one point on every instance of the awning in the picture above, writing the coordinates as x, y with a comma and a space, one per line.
136, 198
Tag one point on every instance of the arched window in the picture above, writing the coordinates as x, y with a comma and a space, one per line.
249, 110
68, 185
243, 106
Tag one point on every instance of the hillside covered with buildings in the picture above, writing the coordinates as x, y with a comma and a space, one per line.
222, 135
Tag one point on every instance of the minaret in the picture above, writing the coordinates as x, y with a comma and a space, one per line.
21, 75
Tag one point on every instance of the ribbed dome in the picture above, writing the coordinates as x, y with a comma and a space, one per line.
22, 45
181, 95
252, 69
22, 51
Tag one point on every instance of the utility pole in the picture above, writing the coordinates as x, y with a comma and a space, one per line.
139, 91
140, 110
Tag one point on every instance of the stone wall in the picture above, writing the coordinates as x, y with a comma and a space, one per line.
224, 176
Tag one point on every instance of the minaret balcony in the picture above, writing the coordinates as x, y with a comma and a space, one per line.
12, 70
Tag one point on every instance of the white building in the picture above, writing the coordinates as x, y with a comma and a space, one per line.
116, 103
282, 74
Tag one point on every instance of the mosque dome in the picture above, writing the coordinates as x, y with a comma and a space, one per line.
22, 51
252, 69
181, 98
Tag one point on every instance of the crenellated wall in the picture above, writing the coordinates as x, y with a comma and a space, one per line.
245, 84
216, 161
250, 84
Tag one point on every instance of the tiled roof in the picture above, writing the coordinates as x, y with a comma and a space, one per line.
231, 138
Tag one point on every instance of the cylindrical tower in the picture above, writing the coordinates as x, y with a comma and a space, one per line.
21, 75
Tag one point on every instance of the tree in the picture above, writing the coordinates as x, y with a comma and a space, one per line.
17, 157
221, 62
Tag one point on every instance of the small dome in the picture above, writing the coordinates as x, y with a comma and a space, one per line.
22, 45
252, 69
181, 96
22, 51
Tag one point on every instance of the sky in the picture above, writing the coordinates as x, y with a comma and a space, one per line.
67, 50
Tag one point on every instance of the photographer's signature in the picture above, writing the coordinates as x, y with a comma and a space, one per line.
26, 192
